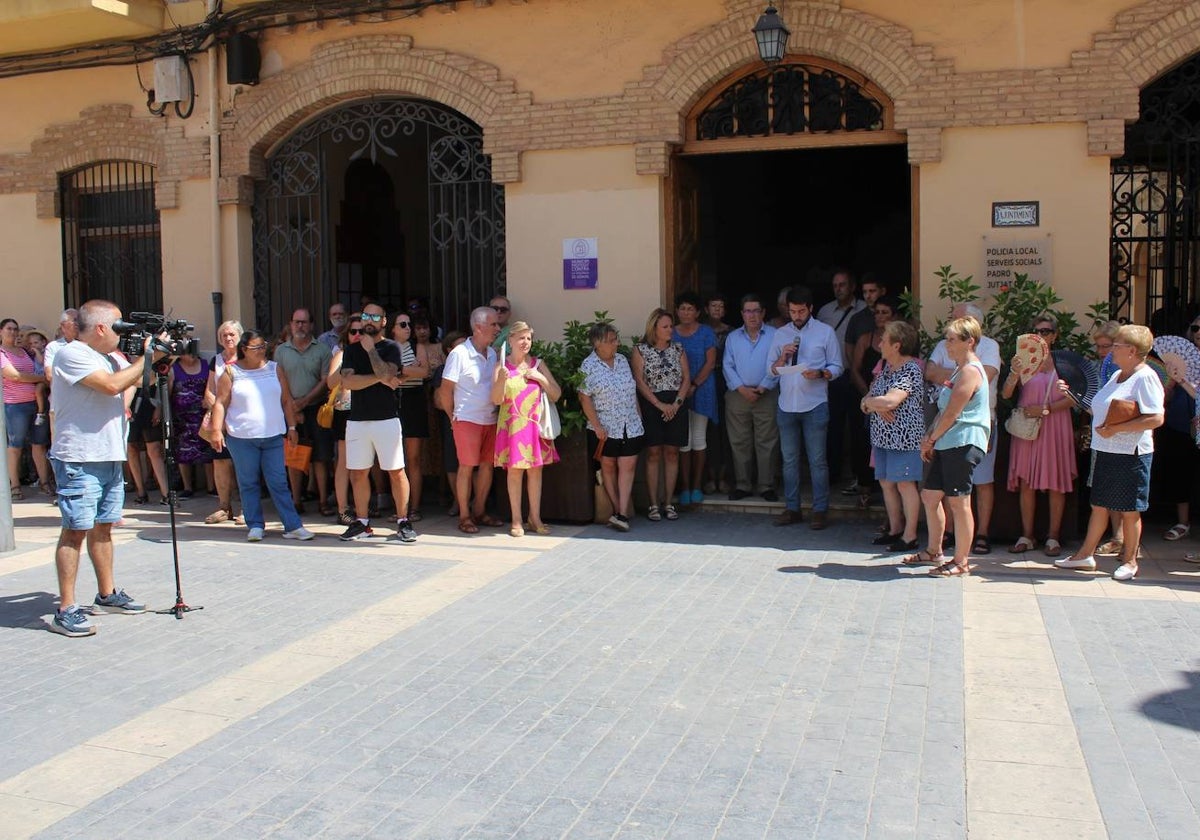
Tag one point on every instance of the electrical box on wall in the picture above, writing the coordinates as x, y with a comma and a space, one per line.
170, 79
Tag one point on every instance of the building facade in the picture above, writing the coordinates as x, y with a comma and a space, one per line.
585, 155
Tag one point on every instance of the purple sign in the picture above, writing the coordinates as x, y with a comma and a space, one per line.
581, 263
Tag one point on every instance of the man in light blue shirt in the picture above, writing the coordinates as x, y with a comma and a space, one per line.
751, 401
806, 354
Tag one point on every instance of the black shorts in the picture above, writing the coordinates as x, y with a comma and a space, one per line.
414, 412
141, 430
950, 470
311, 434
615, 447
339, 424
658, 431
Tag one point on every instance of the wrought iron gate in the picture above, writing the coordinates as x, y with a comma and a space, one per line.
1154, 267
295, 243
110, 232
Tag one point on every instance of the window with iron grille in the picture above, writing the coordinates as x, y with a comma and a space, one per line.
110, 229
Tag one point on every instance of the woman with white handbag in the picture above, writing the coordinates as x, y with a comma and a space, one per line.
526, 392
1041, 456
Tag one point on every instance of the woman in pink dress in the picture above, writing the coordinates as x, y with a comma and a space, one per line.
1047, 463
520, 448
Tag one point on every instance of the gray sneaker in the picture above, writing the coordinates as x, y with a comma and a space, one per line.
72, 622
405, 532
118, 603
300, 533
255, 535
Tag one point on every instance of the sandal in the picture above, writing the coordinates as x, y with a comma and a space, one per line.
1052, 548
1110, 547
325, 510
981, 545
653, 514
141, 500
1177, 532
16, 493
415, 515
542, 529
1021, 546
47, 489
490, 521
217, 516
468, 527
951, 569
922, 558
670, 512
346, 518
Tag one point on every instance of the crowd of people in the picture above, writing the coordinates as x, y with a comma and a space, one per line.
369, 408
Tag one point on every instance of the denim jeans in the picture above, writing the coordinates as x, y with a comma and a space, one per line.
813, 426
252, 456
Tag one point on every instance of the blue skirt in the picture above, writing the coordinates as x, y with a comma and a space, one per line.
1120, 482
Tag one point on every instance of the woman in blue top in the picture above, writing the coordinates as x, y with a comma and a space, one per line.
954, 445
700, 344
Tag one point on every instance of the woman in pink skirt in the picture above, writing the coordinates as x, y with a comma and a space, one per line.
1047, 463
520, 448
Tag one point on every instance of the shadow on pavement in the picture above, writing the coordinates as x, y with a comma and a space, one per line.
846, 571
27, 611
1180, 707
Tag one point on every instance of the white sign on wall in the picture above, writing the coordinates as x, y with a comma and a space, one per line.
1004, 258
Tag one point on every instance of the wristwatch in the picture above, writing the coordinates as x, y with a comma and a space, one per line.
291, 428
1045, 412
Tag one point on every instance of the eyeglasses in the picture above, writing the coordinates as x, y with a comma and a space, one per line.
371, 316
755, 311
1117, 344
404, 324
501, 309
1045, 331
255, 347
1194, 328
356, 331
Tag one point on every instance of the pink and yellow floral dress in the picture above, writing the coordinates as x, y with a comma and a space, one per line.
518, 443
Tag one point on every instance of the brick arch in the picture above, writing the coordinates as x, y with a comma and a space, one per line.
1159, 46
353, 68
105, 132
880, 51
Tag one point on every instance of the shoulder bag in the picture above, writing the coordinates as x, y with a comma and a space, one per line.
1027, 428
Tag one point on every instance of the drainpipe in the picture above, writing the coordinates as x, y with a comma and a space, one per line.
214, 162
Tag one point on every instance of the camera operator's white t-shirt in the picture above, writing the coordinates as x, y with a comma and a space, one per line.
89, 426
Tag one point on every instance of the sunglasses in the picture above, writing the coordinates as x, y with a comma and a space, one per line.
404, 324
255, 347
356, 331
1045, 331
371, 316
501, 309
1194, 328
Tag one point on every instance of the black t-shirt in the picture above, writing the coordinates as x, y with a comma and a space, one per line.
861, 323
377, 402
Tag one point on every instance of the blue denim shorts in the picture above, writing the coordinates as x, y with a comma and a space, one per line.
18, 418
89, 492
896, 465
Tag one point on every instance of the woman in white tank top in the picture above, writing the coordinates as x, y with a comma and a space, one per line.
253, 415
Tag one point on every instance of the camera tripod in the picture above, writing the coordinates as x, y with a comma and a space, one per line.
160, 369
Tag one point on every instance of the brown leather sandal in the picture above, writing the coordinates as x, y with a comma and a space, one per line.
924, 557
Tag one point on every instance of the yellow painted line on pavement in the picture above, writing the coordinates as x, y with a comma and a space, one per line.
39, 797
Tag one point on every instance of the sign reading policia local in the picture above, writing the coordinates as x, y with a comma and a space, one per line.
1004, 258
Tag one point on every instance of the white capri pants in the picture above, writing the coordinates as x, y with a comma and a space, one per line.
697, 433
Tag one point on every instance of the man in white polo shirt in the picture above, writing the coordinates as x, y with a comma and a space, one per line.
466, 391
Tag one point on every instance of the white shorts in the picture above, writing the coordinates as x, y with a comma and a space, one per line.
367, 440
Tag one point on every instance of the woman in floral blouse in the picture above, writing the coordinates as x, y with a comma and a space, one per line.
660, 368
895, 405
608, 397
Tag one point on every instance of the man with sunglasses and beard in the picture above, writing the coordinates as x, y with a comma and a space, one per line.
373, 370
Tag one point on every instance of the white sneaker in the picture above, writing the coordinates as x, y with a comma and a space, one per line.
1125, 572
255, 535
1073, 562
300, 533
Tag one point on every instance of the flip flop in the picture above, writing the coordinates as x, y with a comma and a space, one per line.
1022, 545
1052, 548
468, 527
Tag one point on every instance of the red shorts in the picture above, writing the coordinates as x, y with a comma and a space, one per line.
475, 443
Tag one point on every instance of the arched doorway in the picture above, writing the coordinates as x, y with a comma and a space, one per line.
388, 199
787, 172
1154, 268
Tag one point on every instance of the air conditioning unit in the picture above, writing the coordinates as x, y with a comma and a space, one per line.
171, 79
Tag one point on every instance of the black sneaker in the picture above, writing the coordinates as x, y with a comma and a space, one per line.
770, 496
405, 532
357, 531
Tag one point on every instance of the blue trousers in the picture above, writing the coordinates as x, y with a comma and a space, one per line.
255, 456
812, 427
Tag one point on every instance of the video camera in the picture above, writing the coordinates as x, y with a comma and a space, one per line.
143, 325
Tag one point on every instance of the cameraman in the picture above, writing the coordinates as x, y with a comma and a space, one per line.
88, 400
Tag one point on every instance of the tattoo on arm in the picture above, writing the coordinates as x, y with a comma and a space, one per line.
382, 369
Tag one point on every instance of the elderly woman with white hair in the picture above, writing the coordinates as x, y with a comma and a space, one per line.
228, 336
1125, 412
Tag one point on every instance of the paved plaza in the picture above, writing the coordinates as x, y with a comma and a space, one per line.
711, 677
